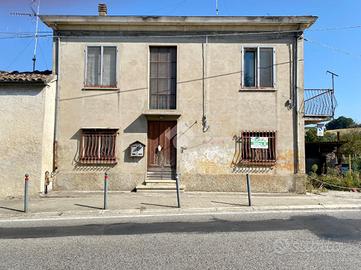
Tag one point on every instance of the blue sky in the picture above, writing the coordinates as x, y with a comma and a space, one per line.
336, 50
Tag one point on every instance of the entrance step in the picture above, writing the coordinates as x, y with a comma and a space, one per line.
158, 185
161, 175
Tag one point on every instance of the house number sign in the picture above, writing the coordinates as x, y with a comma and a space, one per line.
137, 149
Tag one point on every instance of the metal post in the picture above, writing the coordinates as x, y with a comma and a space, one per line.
177, 187
26, 193
249, 189
105, 191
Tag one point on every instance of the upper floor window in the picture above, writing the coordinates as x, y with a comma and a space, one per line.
101, 66
163, 77
258, 67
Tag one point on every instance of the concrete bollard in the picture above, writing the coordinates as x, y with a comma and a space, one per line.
106, 177
177, 189
26, 194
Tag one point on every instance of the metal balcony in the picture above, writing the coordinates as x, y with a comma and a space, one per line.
319, 105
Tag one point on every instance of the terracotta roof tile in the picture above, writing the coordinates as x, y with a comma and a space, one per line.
25, 77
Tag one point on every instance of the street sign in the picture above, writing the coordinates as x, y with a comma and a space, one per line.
259, 142
320, 130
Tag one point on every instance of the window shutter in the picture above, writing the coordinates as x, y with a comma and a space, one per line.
93, 66
242, 67
258, 64
109, 66
85, 55
274, 69
266, 67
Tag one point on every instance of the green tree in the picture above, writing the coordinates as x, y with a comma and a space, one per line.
352, 145
341, 122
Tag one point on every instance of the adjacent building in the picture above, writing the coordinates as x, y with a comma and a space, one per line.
27, 108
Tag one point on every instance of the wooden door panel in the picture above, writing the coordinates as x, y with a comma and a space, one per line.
162, 133
153, 134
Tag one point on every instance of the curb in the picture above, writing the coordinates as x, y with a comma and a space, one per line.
171, 212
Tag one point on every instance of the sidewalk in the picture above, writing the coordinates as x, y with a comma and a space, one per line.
123, 203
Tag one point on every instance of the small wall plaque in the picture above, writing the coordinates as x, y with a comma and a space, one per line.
137, 149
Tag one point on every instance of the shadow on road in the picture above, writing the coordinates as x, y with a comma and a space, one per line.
11, 209
162, 205
323, 226
227, 203
88, 206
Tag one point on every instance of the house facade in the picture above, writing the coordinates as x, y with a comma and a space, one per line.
207, 98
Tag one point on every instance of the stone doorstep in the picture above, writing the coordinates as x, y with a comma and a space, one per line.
156, 185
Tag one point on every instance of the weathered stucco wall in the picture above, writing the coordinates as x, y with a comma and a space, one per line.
24, 132
203, 158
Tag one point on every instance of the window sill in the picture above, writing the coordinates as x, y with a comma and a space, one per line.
257, 90
100, 88
258, 163
97, 162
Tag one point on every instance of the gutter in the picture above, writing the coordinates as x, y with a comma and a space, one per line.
295, 103
56, 117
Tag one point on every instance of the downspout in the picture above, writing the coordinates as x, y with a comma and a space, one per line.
295, 103
204, 74
55, 142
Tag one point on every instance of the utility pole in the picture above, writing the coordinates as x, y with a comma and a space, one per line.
217, 10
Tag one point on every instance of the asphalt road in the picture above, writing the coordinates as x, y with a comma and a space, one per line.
297, 240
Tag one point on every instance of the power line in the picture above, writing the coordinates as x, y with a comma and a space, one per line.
250, 33
16, 34
19, 54
336, 28
348, 27
198, 36
324, 45
43, 55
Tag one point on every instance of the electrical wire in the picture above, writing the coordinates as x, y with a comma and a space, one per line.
324, 45
43, 55
17, 56
351, 27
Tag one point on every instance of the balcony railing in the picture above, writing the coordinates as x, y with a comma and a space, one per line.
320, 104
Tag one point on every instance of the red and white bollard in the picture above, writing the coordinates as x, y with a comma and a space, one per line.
26, 193
106, 178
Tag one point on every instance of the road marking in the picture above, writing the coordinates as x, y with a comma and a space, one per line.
139, 216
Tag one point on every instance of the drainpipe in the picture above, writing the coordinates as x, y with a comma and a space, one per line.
204, 74
295, 103
57, 61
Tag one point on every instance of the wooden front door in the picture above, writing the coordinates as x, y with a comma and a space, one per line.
162, 146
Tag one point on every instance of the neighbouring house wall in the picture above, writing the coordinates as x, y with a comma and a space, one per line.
26, 126
21, 121
205, 161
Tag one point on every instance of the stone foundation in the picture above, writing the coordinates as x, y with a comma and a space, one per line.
192, 182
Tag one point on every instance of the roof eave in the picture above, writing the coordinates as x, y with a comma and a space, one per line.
298, 22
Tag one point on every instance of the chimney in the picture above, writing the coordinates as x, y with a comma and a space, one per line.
102, 9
